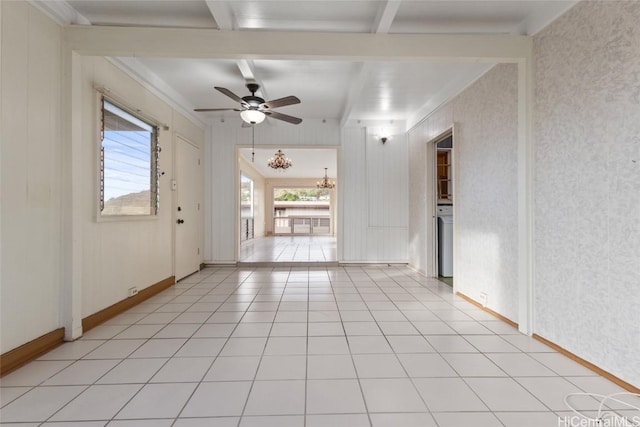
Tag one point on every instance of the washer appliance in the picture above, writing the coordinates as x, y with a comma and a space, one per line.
445, 240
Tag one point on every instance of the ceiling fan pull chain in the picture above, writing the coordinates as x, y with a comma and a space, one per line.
253, 142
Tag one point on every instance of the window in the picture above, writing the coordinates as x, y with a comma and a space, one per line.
246, 196
246, 208
129, 161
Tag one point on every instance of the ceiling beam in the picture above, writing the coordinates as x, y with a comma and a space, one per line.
381, 25
206, 43
222, 14
386, 15
359, 78
248, 71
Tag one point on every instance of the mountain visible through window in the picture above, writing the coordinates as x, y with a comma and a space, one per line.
129, 162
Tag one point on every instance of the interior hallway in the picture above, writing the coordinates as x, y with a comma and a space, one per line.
339, 346
289, 249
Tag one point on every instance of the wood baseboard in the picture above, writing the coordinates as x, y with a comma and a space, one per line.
488, 310
588, 365
19, 356
556, 347
202, 266
103, 315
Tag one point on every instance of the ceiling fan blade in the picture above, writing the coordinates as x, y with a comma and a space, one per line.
283, 117
230, 94
216, 109
287, 100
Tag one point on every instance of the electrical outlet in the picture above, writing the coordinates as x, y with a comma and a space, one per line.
483, 299
133, 291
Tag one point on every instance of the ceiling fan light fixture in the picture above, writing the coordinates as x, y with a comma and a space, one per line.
252, 117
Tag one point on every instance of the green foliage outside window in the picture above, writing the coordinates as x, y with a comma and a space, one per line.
301, 194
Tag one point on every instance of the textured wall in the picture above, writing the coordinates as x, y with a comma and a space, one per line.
485, 166
587, 184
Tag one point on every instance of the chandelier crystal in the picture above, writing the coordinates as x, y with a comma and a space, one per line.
279, 161
325, 182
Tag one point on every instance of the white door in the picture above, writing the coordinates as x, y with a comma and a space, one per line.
188, 215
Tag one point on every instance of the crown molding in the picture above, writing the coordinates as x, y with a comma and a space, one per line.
150, 81
60, 11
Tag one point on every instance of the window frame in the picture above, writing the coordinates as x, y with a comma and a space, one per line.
154, 163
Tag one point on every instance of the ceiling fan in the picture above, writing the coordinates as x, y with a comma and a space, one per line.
254, 109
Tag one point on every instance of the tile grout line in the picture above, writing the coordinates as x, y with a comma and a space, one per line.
244, 408
374, 280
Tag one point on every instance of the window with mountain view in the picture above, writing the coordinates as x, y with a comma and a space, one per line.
128, 178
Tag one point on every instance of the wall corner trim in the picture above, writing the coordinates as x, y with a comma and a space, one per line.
19, 356
103, 315
627, 386
488, 310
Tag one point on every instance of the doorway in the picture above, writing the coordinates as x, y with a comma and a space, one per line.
444, 207
294, 220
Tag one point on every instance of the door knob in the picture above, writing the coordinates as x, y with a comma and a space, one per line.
180, 221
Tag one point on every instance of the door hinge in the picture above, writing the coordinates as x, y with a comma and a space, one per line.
198, 251
198, 162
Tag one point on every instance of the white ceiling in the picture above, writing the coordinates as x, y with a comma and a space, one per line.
306, 162
343, 90
347, 91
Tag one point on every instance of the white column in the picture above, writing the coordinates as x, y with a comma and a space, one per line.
71, 243
525, 193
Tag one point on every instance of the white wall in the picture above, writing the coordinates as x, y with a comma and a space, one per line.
587, 184
372, 184
135, 252
31, 212
485, 194
113, 255
373, 197
259, 197
221, 160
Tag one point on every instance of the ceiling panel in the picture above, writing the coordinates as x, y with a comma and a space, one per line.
341, 90
307, 162
306, 15
320, 85
195, 79
396, 90
474, 17
166, 13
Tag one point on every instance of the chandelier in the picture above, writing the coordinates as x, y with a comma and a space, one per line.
279, 161
325, 183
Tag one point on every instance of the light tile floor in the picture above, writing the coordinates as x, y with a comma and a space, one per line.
289, 249
293, 347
